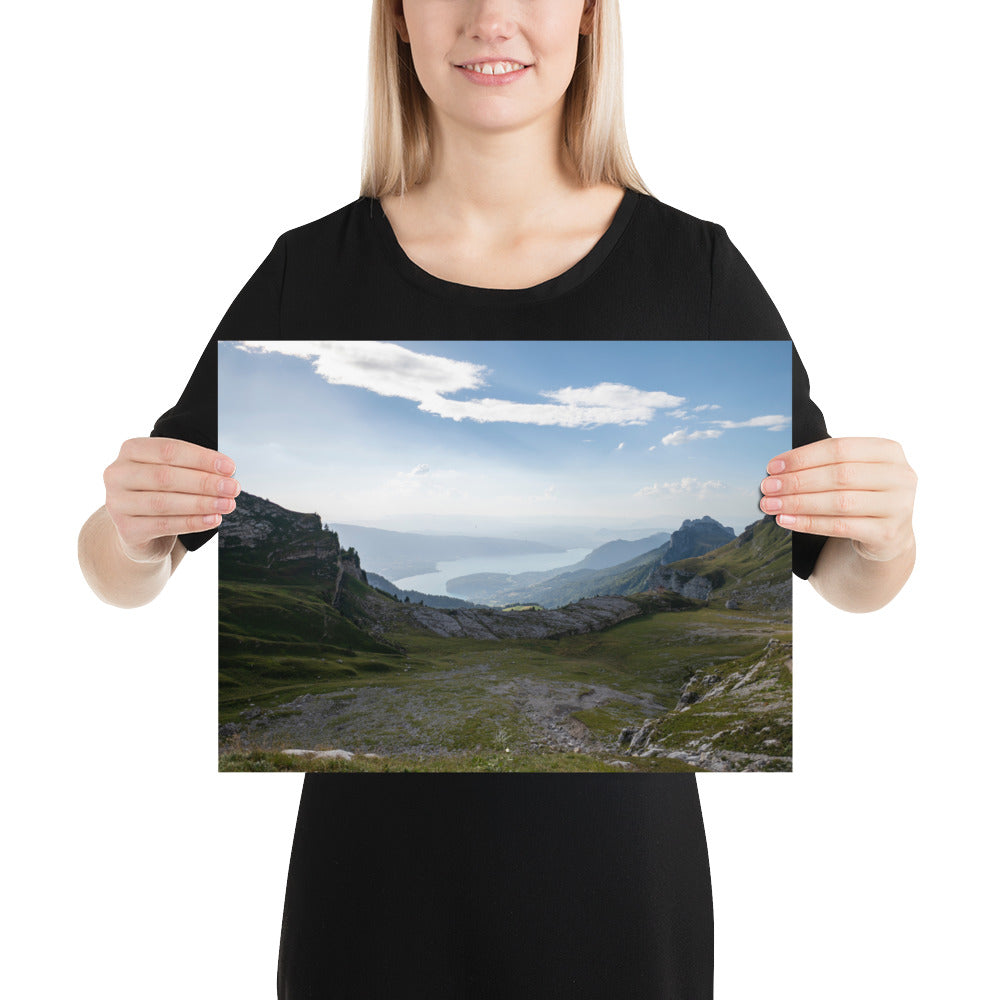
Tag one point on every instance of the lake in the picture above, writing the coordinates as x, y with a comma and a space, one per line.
434, 583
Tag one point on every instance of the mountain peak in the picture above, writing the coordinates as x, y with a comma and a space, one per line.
709, 522
688, 521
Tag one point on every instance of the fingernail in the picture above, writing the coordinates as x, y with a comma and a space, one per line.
225, 466
228, 487
771, 485
771, 503
775, 466
787, 520
210, 519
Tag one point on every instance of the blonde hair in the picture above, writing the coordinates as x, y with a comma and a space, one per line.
397, 140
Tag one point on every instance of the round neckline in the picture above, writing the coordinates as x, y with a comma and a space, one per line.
569, 279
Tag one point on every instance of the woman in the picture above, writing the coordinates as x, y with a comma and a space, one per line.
503, 203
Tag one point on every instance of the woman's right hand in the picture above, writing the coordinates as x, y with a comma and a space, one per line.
158, 488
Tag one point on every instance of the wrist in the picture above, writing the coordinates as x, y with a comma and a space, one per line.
898, 551
152, 554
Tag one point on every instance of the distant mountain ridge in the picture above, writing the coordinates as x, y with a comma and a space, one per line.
694, 537
620, 550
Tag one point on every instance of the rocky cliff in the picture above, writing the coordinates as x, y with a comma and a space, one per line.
691, 585
257, 523
695, 537
752, 572
261, 539
590, 615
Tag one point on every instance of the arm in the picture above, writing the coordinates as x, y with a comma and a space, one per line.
113, 575
156, 489
161, 489
853, 583
858, 492
848, 501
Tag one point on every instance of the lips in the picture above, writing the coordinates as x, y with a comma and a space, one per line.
486, 78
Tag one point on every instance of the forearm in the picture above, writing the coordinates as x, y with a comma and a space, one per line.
852, 583
111, 574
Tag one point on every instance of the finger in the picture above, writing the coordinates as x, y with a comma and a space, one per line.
832, 451
866, 530
839, 503
843, 476
140, 477
174, 452
160, 504
881, 538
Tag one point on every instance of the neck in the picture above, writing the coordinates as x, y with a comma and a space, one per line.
498, 181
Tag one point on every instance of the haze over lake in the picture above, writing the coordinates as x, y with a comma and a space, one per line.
434, 583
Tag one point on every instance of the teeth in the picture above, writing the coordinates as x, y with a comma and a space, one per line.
495, 69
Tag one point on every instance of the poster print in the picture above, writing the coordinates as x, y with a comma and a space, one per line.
504, 555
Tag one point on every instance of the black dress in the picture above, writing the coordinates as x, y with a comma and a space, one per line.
563, 886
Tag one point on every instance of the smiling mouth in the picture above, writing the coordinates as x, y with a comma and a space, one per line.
493, 68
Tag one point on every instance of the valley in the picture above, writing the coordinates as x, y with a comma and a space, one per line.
319, 670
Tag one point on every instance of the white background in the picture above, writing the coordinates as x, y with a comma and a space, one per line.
155, 151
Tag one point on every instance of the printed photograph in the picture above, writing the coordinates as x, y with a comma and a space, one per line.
504, 555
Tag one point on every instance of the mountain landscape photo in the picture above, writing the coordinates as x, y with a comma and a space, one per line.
504, 556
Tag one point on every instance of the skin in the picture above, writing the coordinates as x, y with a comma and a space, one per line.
859, 492
155, 489
502, 200
502, 206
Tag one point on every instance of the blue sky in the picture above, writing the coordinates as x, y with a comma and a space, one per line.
472, 435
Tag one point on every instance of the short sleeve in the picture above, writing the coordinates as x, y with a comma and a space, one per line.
255, 314
741, 309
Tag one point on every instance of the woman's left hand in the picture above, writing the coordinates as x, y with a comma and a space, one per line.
860, 488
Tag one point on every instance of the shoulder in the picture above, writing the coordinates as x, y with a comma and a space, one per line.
670, 246
333, 227
670, 222
333, 222
336, 243
671, 235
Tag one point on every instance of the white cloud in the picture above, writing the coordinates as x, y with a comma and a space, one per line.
542, 414
682, 436
388, 369
420, 470
707, 406
615, 395
652, 447
773, 422
427, 379
621, 444
688, 486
